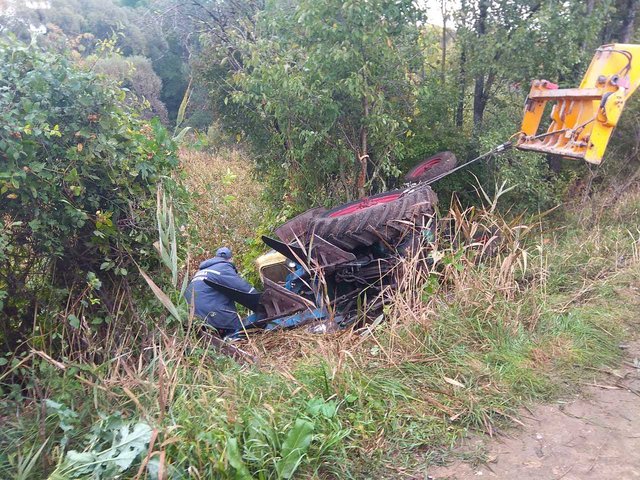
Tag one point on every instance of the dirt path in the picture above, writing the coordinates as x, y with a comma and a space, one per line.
595, 435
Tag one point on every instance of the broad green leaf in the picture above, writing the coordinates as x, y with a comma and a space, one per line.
129, 445
294, 448
183, 105
73, 321
234, 457
318, 406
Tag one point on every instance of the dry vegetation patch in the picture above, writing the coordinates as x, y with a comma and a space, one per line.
228, 200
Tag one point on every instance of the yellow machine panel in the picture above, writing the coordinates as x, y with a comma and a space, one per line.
273, 266
582, 119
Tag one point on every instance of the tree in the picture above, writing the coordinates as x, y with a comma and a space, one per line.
136, 74
200, 33
621, 22
100, 18
78, 176
82, 26
506, 43
327, 88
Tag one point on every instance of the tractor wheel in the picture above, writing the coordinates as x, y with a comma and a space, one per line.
431, 167
351, 207
385, 217
298, 227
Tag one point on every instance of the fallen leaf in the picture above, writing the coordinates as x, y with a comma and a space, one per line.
453, 382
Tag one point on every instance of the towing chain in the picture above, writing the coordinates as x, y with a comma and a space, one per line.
499, 149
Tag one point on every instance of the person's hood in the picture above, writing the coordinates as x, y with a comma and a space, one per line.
212, 261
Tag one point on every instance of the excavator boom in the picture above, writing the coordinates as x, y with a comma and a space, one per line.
582, 119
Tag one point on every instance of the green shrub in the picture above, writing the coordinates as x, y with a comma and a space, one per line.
78, 177
325, 123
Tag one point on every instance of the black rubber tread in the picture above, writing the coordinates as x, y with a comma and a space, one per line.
448, 162
298, 226
348, 204
376, 223
338, 228
363, 224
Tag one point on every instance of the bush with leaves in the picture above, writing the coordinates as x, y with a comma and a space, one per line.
136, 73
323, 92
78, 176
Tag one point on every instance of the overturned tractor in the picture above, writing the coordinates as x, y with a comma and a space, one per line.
327, 266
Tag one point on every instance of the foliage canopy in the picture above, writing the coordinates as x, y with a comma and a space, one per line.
78, 177
327, 90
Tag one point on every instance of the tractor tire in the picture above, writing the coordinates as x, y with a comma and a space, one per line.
432, 167
298, 227
385, 217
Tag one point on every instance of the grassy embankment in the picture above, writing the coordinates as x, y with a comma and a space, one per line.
529, 324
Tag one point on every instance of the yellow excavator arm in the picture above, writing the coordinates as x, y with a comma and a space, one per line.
582, 119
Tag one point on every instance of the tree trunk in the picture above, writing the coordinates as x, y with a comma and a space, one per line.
479, 102
363, 154
479, 93
444, 40
462, 85
628, 23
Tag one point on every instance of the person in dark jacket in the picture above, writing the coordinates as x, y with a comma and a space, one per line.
210, 304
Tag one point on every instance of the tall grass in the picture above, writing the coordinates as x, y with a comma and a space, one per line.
464, 343
229, 206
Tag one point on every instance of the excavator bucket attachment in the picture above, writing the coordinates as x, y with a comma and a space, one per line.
582, 119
